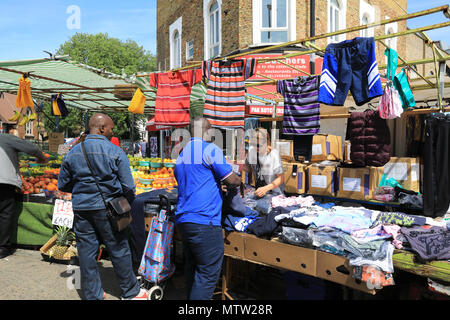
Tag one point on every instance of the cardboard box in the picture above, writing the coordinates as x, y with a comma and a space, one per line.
347, 151
294, 177
286, 149
359, 183
326, 147
281, 255
234, 244
405, 171
322, 180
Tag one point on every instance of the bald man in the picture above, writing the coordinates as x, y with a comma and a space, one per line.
111, 167
200, 170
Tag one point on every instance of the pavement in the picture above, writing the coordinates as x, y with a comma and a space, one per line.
25, 275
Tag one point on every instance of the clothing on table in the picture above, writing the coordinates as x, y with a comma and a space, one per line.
350, 65
436, 173
199, 171
301, 108
347, 221
383, 261
370, 139
225, 95
266, 225
86, 226
265, 168
239, 223
24, 98
430, 243
303, 216
395, 232
109, 163
173, 95
282, 201
371, 234
399, 218
296, 236
233, 203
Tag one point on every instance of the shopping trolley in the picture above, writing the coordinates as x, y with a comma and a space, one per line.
156, 263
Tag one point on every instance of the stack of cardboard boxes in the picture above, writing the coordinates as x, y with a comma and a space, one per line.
324, 175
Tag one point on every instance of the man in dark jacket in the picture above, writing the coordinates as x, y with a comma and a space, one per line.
10, 182
111, 167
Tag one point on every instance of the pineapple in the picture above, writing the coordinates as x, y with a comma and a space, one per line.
64, 238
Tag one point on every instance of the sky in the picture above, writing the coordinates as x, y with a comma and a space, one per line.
28, 27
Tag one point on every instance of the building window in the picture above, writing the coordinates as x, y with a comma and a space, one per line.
273, 21
391, 28
175, 44
366, 16
29, 126
336, 19
190, 50
212, 28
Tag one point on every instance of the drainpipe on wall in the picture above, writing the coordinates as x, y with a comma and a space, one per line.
312, 33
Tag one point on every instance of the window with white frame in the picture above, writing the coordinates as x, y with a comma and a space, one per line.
274, 21
190, 50
391, 28
175, 44
212, 28
336, 18
366, 16
29, 126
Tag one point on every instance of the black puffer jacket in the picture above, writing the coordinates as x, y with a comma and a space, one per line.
370, 139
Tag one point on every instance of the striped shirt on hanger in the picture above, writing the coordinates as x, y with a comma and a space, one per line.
225, 95
173, 95
301, 106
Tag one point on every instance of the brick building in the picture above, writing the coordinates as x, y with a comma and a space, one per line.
7, 108
191, 31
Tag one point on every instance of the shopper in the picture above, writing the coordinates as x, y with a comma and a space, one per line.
200, 170
111, 166
264, 163
10, 183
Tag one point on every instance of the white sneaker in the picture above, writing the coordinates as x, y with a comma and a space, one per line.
143, 295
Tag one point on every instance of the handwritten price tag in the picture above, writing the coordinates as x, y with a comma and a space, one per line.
63, 214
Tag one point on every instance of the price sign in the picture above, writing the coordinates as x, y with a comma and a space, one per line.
63, 214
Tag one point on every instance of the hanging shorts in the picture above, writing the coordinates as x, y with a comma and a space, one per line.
350, 65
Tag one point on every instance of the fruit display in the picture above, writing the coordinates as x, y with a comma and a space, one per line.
161, 179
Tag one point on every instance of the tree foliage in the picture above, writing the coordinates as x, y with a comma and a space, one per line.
114, 55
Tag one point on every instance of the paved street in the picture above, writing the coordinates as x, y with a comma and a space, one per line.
26, 276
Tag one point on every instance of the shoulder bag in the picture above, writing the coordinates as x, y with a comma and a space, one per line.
118, 209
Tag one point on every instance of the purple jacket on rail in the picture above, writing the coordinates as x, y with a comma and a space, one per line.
370, 139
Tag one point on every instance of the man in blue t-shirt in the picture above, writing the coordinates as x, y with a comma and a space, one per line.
200, 170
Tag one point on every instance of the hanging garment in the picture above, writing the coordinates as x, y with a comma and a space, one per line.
370, 139
350, 65
198, 95
402, 85
137, 104
436, 173
390, 106
301, 108
225, 95
58, 106
173, 95
24, 98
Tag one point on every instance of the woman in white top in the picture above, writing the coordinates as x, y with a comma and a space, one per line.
265, 165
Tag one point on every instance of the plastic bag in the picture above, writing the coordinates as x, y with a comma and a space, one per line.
391, 182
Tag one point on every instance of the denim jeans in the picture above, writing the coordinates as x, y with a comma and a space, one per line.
203, 252
86, 226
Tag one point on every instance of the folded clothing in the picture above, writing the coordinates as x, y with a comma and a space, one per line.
282, 201
431, 243
400, 219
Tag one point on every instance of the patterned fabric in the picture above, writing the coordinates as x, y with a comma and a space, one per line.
155, 264
225, 95
173, 95
301, 106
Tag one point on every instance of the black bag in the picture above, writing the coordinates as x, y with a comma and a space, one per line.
118, 209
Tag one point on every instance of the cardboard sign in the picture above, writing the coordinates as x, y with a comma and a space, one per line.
63, 214
54, 140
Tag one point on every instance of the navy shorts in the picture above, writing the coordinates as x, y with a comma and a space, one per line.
350, 65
